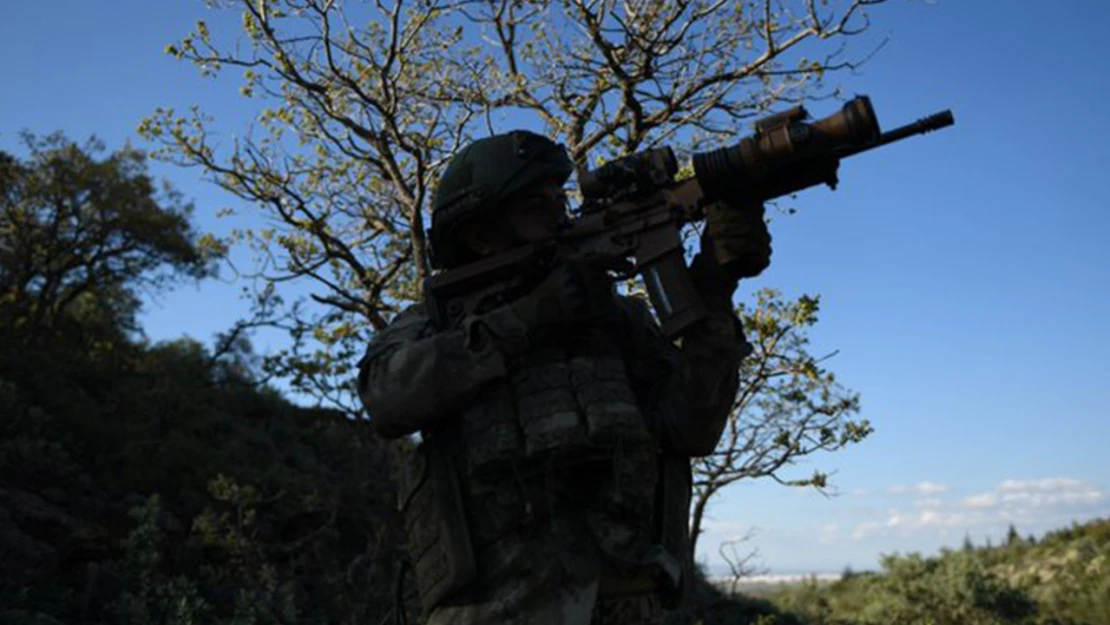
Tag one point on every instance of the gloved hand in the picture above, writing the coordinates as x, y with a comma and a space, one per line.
573, 292
710, 279
737, 238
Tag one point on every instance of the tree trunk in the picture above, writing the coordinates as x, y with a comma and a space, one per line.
701, 501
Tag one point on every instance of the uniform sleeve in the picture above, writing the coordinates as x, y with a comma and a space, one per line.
705, 380
702, 377
413, 376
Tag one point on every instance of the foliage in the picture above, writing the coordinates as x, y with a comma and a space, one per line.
161, 483
1062, 579
84, 235
1067, 572
954, 590
157, 492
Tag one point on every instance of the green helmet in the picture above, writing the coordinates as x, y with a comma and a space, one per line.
483, 174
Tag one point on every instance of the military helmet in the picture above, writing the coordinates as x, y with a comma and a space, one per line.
483, 174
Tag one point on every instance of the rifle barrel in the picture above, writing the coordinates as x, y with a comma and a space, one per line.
936, 121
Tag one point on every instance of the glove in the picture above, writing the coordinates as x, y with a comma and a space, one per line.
574, 292
737, 238
709, 278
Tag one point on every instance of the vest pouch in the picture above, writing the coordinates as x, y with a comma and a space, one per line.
431, 504
491, 433
603, 391
548, 413
622, 513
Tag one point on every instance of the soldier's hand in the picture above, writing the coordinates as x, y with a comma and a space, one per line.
574, 292
738, 238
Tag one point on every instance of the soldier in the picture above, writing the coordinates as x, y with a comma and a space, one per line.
552, 480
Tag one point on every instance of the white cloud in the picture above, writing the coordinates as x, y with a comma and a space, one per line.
930, 488
921, 488
905, 522
942, 518
1048, 484
982, 500
1040, 503
728, 529
1037, 494
896, 519
828, 534
1064, 498
717, 532
931, 517
865, 529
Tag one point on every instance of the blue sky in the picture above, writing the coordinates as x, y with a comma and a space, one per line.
964, 275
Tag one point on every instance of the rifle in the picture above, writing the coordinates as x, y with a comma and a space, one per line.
633, 208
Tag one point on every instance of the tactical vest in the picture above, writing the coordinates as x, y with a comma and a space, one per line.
564, 428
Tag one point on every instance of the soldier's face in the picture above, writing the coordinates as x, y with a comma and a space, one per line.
538, 213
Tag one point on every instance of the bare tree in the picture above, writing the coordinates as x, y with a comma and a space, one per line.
788, 408
361, 105
742, 560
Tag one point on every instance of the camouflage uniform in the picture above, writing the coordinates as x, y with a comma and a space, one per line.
552, 482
